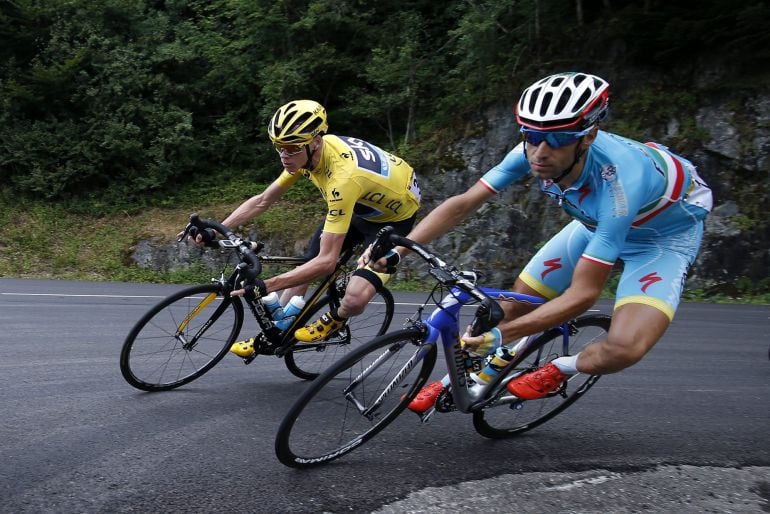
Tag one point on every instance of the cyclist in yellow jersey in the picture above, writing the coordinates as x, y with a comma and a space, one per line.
365, 188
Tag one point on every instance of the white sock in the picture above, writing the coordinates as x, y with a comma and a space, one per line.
567, 365
445, 381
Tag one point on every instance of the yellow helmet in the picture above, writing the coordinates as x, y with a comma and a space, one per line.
297, 123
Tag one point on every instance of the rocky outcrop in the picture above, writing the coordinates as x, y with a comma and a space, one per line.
734, 158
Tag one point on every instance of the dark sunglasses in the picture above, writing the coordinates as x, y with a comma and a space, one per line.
288, 150
553, 139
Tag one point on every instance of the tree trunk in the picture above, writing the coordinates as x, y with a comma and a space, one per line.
579, 12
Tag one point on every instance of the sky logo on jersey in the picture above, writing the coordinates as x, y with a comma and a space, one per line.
551, 265
649, 279
368, 157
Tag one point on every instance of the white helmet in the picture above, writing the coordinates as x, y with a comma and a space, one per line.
565, 101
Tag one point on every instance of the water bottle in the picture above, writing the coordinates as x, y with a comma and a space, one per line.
473, 362
294, 307
502, 357
273, 305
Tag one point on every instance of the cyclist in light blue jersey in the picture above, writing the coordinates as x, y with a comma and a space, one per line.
636, 203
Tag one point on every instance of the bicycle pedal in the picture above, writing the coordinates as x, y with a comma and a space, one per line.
445, 402
425, 416
247, 360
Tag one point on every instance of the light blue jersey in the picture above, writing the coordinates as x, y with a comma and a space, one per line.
630, 198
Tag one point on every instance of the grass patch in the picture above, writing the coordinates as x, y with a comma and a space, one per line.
39, 239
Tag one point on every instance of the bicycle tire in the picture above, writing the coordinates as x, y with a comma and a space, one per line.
155, 357
323, 424
501, 420
308, 360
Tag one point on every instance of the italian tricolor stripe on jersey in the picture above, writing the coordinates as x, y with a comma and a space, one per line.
675, 176
488, 186
597, 260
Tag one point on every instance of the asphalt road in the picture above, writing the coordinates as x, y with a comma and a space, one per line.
687, 429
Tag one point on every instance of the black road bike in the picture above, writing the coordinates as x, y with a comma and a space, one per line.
188, 332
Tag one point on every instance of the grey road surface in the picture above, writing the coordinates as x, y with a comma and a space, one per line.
686, 430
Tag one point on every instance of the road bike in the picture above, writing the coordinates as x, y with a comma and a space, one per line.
188, 332
357, 397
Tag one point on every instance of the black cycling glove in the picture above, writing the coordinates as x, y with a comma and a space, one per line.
253, 287
208, 236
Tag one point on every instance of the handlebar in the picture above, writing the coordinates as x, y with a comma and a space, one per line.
252, 266
488, 314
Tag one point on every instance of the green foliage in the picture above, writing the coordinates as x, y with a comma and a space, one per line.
132, 99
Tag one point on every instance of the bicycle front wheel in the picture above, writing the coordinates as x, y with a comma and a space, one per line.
509, 416
181, 338
354, 399
308, 360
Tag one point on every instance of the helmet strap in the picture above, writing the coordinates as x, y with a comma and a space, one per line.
309, 164
310, 153
578, 154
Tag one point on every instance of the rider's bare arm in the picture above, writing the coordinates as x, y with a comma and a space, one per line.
450, 213
255, 205
587, 283
319, 266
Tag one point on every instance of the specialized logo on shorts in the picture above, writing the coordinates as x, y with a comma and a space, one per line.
551, 265
649, 279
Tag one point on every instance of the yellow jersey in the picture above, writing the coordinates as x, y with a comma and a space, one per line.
357, 178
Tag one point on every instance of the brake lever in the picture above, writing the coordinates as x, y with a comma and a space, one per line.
184, 234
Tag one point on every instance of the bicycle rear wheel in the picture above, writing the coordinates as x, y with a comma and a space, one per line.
308, 360
355, 399
181, 338
508, 416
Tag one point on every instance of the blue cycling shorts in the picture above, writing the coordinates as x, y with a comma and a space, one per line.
654, 270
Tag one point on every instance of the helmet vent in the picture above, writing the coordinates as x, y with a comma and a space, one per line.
563, 99
533, 99
584, 98
313, 126
546, 103
300, 120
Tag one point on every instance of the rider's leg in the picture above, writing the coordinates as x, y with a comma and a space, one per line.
357, 296
634, 331
363, 284
654, 274
288, 294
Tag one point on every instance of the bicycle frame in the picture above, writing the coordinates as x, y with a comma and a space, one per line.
443, 323
282, 341
356, 398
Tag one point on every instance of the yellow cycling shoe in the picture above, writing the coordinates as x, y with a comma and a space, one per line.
320, 329
243, 348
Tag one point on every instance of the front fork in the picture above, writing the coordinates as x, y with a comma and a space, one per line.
189, 344
370, 410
